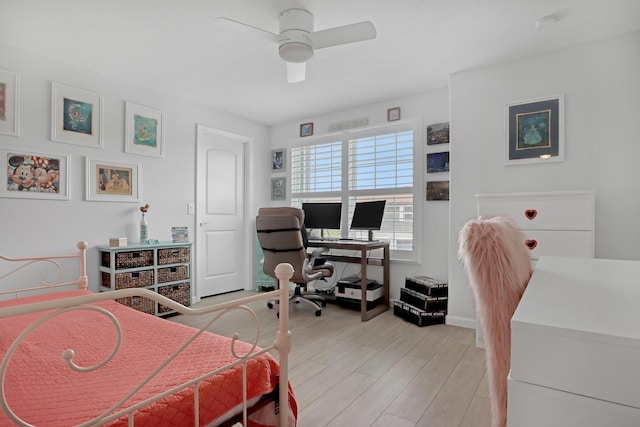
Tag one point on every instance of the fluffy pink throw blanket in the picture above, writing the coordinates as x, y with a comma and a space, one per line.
497, 261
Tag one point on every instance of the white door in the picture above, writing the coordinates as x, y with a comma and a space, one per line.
220, 216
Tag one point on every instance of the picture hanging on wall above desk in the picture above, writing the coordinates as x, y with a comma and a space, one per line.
437, 190
278, 188
438, 133
438, 162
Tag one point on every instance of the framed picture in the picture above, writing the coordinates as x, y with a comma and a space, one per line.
278, 160
438, 133
278, 188
393, 114
535, 131
35, 175
438, 162
9, 103
306, 129
76, 116
113, 182
144, 131
437, 190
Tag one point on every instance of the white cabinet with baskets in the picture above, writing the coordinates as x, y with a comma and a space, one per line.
164, 268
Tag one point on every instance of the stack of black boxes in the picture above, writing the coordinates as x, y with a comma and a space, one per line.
423, 301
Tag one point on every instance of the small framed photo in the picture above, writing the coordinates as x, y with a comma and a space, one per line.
306, 129
180, 234
393, 114
144, 131
35, 175
278, 160
76, 116
438, 133
9, 103
438, 162
437, 190
278, 188
535, 130
112, 182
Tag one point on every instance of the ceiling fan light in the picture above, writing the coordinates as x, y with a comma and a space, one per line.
295, 52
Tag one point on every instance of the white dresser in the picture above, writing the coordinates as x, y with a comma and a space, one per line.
575, 345
558, 223
555, 223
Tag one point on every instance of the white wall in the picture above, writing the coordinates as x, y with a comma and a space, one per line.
40, 227
426, 108
602, 108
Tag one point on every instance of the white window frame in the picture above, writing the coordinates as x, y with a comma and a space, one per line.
418, 168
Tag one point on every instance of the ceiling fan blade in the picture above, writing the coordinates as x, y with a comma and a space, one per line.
342, 35
241, 27
296, 71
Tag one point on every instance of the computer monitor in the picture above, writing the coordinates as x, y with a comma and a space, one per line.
368, 216
322, 216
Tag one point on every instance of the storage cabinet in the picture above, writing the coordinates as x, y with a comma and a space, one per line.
164, 268
575, 345
554, 223
558, 223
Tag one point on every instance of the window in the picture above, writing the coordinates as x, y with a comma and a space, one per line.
359, 166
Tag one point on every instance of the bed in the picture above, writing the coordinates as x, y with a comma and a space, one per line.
73, 357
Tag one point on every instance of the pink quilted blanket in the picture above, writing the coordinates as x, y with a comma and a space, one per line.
42, 390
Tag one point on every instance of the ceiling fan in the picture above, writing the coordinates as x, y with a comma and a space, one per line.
297, 40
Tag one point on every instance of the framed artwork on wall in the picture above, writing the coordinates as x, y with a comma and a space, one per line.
34, 175
112, 182
306, 129
278, 188
9, 103
76, 116
393, 114
144, 131
535, 130
438, 162
438, 133
437, 190
278, 160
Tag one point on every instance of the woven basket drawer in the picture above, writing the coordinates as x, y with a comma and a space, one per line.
180, 293
134, 279
173, 274
173, 255
142, 304
133, 259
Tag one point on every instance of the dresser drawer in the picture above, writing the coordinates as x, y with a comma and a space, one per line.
534, 406
559, 243
541, 211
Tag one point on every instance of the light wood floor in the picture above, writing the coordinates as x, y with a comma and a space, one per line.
384, 373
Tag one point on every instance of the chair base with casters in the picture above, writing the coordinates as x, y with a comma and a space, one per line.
282, 237
298, 295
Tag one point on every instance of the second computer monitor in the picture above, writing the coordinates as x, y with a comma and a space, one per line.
368, 216
322, 216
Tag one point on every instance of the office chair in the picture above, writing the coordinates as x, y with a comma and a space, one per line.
282, 237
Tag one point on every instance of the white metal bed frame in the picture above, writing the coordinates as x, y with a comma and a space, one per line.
281, 343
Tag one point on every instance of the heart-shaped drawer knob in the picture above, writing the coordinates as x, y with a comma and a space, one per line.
530, 213
531, 244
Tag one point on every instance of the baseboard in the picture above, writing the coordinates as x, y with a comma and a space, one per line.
463, 322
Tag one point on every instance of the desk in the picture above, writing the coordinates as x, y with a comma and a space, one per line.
575, 345
364, 260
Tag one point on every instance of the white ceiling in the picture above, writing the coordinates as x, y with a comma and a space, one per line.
173, 45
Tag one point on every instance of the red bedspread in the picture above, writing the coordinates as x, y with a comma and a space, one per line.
44, 391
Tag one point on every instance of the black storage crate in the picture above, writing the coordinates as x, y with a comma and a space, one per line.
422, 301
427, 286
417, 316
